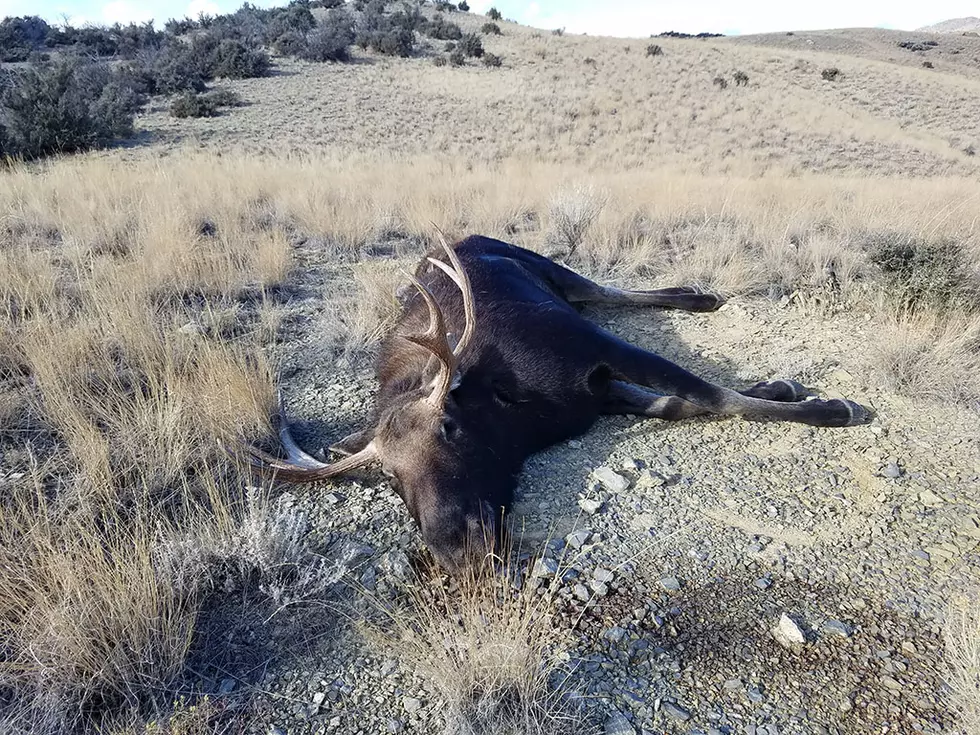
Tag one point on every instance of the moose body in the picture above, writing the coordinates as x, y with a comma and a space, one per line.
490, 362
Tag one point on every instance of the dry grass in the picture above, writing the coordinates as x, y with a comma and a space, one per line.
930, 356
493, 653
962, 638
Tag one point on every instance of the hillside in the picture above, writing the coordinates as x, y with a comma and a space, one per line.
706, 576
605, 103
969, 24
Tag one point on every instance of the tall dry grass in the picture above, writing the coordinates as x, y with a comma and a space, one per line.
962, 639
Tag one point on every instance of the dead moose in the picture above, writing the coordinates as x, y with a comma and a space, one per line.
491, 362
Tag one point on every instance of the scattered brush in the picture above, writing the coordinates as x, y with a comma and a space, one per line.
492, 648
962, 638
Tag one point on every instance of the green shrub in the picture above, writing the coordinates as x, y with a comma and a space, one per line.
457, 58
332, 39
558, 32
463, 6
831, 74
290, 43
175, 68
445, 6
67, 106
919, 272
191, 104
471, 45
20, 36
442, 29
492, 60
494, 14
654, 50
439, 60
234, 60
490, 29
222, 98
720, 82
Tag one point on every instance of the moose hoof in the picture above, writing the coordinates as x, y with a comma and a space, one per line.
784, 391
860, 415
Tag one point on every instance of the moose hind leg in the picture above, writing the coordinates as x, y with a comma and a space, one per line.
632, 364
687, 298
628, 398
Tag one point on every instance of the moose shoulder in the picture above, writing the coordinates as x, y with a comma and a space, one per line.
491, 362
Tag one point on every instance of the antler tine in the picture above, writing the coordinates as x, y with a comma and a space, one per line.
462, 280
300, 466
436, 342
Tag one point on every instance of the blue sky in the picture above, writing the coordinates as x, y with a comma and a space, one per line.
597, 17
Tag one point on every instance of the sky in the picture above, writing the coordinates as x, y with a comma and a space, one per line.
636, 18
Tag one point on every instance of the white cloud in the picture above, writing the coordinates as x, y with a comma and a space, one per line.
121, 11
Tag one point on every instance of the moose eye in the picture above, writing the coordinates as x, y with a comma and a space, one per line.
449, 429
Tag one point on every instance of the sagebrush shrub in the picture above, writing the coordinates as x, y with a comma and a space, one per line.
192, 104
490, 29
457, 58
830, 74
442, 29
492, 60
66, 106
234, 60
331, 40
654, 50
471, 45
919, 272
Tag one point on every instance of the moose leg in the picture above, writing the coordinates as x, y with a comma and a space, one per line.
632, 364
629, 398
687, 298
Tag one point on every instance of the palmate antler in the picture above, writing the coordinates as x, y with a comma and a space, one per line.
435, 338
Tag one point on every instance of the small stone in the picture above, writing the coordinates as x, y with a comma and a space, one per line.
411, 704
591, 507
582, 592
788, 633
275, 730
892, 470
395, 726
578, 539
611, 480
890, 683
600, 588
763, 583
733, 685
671, 584
617, 724
603, 575
676, 712
318, 698
754, 693
544, 568
838, 628
614, 634
226, 686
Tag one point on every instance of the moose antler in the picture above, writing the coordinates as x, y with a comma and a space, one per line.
300, 466
435, 338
